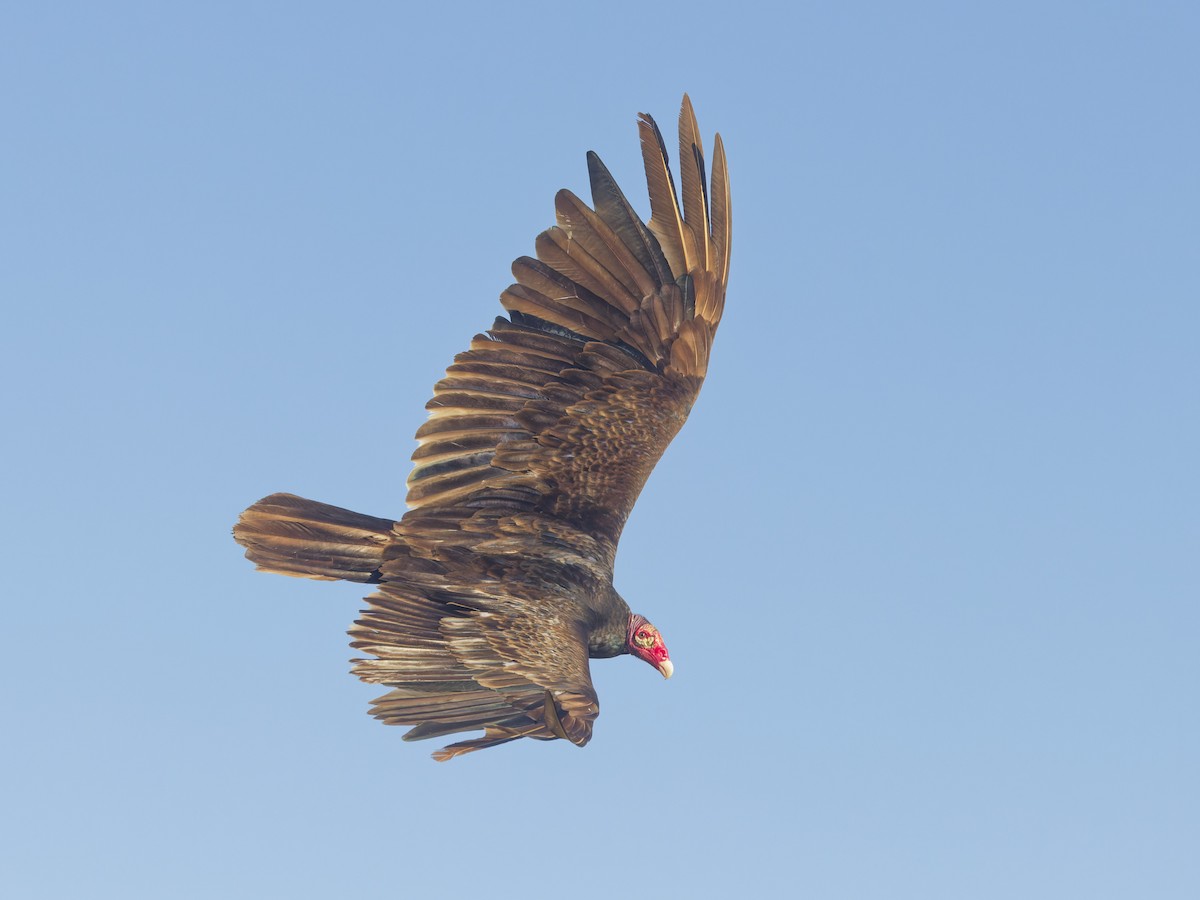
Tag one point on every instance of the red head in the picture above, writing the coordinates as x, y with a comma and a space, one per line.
646, 643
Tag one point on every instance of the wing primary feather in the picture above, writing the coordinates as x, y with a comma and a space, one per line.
567, 252
695, 214
586, 227
665, 220
720, 211
618, 215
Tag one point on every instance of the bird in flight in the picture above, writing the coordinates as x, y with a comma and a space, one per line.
495, 588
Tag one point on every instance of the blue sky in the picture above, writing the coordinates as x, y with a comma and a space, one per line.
926, 555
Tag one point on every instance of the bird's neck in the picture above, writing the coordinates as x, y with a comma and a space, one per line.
609, 634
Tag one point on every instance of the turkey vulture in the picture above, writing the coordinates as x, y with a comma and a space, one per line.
495, 588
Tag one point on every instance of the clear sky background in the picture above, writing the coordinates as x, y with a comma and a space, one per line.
927, 554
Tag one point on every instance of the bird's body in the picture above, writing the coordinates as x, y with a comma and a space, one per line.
496, 587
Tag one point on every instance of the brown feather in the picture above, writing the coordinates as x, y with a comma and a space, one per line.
691, 161
617, 214
587, 229
567, 254
665, 220
289, 535
721, 224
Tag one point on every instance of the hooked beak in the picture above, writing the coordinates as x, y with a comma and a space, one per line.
666, 668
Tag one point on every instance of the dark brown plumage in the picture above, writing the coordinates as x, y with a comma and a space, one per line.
496, 587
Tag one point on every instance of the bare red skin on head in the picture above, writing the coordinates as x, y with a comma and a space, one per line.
646, 642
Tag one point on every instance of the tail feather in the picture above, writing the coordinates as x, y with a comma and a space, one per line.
289, 535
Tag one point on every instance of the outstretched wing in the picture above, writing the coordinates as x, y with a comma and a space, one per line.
464, 651
564, 409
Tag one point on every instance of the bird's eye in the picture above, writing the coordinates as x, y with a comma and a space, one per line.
643, 639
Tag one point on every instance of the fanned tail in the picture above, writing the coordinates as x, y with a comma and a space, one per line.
289, 535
